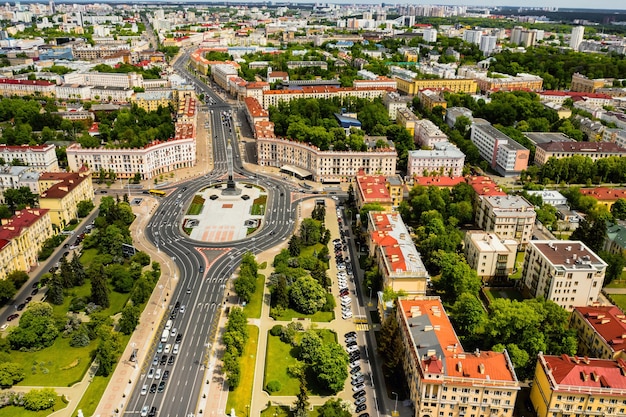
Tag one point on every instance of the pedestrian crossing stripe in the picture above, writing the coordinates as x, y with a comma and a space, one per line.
362, 327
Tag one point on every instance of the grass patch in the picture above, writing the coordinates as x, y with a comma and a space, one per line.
253, 308
88, 255
320, 316
117, 300
310, 250
196, 205
242, 395
12, 411
620, 300
59, 365
617, 283
519, 265
278, 358
276, 411
263, 265
187, 230
258, 205
493, 293
252, 230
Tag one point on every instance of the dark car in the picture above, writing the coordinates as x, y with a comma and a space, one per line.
173, 315
21, 307
360, 408
170, 361
28, 299
364, 415
12, 317
358, 394
349, 334
166, 375
153, 411
153, 388
355, 370
161, 386
34, 292
177, 305
103, 191
66, 254
163, 360
179, 337
35, 284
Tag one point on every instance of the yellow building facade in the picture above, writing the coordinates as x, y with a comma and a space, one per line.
152, 100
60, 193
458, 85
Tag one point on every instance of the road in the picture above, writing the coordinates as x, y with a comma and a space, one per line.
200, 287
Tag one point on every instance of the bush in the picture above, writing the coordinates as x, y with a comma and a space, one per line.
277, 330
330, 303
79, 339
77, 304
273, 386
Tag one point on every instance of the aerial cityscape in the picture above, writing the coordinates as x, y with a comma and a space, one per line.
300, 209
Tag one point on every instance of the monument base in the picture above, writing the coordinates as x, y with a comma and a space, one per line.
231, 188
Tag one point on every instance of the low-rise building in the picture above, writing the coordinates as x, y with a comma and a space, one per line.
569, 385
13, 177
21, 239
254, 112
444, 159
605, 195
392, 248
442, 378
11, 87
455, 85
431, 98
453, 113
550, 197
39, 157
593, 150
584, 84
394, 102
601, 331
490, 256
60, 193
502, 153
428, 134
273, 97
510, 217
484, 186
373, 189
439, 181
152, 100
566, 272
615, 241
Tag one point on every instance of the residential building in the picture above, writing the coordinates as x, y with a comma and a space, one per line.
550, 197
392, 249
587, 85
455, 85
256, 89
488, 44
11, 87
576, 39
546, 137
112, 94
21, 239
152, 100
564, 271
428, 134
443, 159
373, 189
442, 378
615, 241
601, 331
276, 76
430, 98
325, 166
591, 98
128, 80
396, 188
495, 81
484, 186
273, 97
13, 177
502, 153
407, 119
221, 74
510, 217
490, 256
39, 157
593, 150
569, 385
394, 102
60, 193
254, 112
453, 113
307, 64
378, 82
73, 91
605, 195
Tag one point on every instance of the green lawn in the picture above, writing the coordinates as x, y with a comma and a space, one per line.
196, 205
519, 265
59, 365
253, 308
12, 411
258, 205
117, 300
276, 411
310, 250
92, 396
88, 256
493, 293
278, 358
320, 316
620, 300
617, 283
242, 395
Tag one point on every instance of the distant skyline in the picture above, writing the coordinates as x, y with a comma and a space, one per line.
569, 4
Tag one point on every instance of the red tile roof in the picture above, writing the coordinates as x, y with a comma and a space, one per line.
42, 83
22, 148
254, 107
22, 219
573, 371
604, 193
485, 186
438, 181
607, 321
372, 188
67, 182
574, 94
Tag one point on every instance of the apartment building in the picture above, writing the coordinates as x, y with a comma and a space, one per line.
256, 90
129, 80
509, 216
455, 85
501, 82
39, 157
21, 238
604, 195
443, 159
593, 150
484, 186
152, 100
601, 331
273, 97
325, 166
221, 74
407, 119
584, 84
615, 241
73, 91
10, 87
378, 82
559, 97
254, 112
442, 378
430, 98
392, 248
60, 193
571, 385
156, 158
503, 154
550, 197
394, 102
373, 189
453, 113
307, 64
89, 53
490, 256
428, 134
566, 272
13, 177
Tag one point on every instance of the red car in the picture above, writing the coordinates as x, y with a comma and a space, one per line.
12, 317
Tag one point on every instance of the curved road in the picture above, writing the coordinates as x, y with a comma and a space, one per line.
204, 267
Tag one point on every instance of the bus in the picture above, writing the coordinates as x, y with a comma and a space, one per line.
157, 192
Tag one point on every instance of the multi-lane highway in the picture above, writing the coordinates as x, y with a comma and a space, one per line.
200, 287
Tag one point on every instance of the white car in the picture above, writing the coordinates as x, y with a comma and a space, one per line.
354, 364
358, 387
182, 309
175, 350
144, 411
346, 315
357, 375
174, 331
168, 348
351, 349
346, 302
144, 390
350, 339
157, 374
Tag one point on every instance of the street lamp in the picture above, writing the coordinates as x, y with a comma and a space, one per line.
370, 302
395, 407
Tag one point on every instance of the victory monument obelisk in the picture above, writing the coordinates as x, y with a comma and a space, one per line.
231, 188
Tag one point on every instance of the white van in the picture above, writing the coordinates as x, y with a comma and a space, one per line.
165, 335
168, 325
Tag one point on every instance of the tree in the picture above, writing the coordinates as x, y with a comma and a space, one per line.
330, 366
280, 293
99, 289
618, 209
107, 352
83, 208
592, 232
302, 401
66, 273
141, 258
55, 291
39, 399
456, 276
366, 208
310, 232
333, 408
390, 346
120, 277
616, 263
129, 319
10, 373
141, 291
37, 328
18, 278
467, 313
78, 270
7, 291
307, 295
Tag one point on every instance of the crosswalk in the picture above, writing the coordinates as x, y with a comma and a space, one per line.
361, 327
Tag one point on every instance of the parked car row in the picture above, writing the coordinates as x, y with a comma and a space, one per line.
357, 379
342, 280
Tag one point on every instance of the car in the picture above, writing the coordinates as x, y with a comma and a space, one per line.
350, 334
182, 309
28, 300
354, 364
173, 332
21, 307
151, 373
355, 370
358, 394
346, 316
173, 315
356, 357
157, 374
144, 390
152, 412
144, 411
170, 361
177, 305
103, 191
153, 388
364, 415
344, 292
188, 290
360, 408
350, 339
179, 337
346, 303
168, 348
360, 400
356, 375
359, 387
358, 380
35, 284
34, 292
161, 387
66, 254
166, 375
353, 348
163, 360
175, 350
155, 361
201, 269
160, 348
